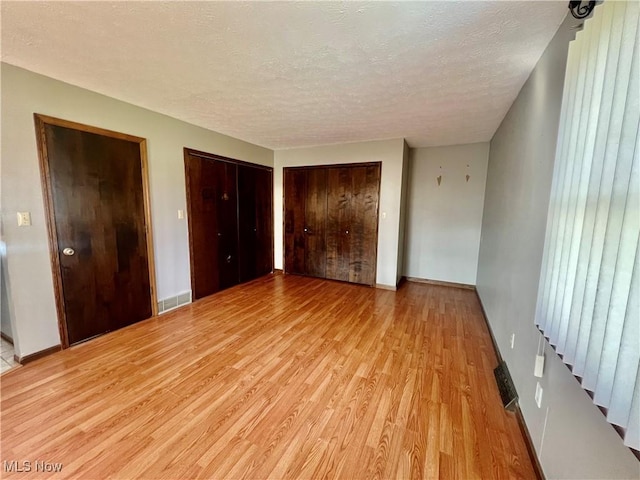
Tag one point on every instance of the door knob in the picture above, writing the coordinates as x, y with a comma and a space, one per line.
68, 251
347, 232
228, 258
306, 229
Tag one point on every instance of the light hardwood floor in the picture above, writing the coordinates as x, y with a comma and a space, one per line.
285, 377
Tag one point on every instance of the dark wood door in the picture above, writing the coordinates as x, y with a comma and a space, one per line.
363, 228
203, 225
264, 220
315, 220
213, 235
97, 206
331, 221
295, 193
255, 221
227, 223
230, 207
339, 211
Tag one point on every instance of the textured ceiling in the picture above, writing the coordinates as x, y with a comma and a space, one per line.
284, 74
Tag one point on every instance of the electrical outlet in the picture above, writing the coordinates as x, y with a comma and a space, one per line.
513, 340
24, 219
538, 396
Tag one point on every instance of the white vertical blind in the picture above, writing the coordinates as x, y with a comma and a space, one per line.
588, 301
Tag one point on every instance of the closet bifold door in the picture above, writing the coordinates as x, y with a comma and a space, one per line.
227, 224
338, 236
213, 227
315, 259
255, 222
230, 219
202, 202
363, 232
264, 220
331, 221
295, 192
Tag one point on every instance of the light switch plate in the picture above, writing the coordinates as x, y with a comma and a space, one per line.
180, 214
538, 369
24, 219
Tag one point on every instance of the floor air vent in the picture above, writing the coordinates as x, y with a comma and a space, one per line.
505, 385
174, 302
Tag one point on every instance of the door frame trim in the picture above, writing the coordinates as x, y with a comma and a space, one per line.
214, 156
47, 193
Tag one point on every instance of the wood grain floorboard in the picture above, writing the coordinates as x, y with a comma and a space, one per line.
283, 377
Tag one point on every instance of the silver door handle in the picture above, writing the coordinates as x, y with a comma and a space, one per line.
68, 251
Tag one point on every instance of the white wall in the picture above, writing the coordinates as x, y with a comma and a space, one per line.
390, 153
29, 278
444, 222
570, 434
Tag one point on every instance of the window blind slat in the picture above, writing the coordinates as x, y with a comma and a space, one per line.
632, 435
629, 355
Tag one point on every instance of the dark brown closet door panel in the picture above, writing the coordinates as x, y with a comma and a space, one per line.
227, 223
202, 185
255, 222
315, 220
264, 222
364, 224
338, 222
247, 223
295, 186
98, 206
